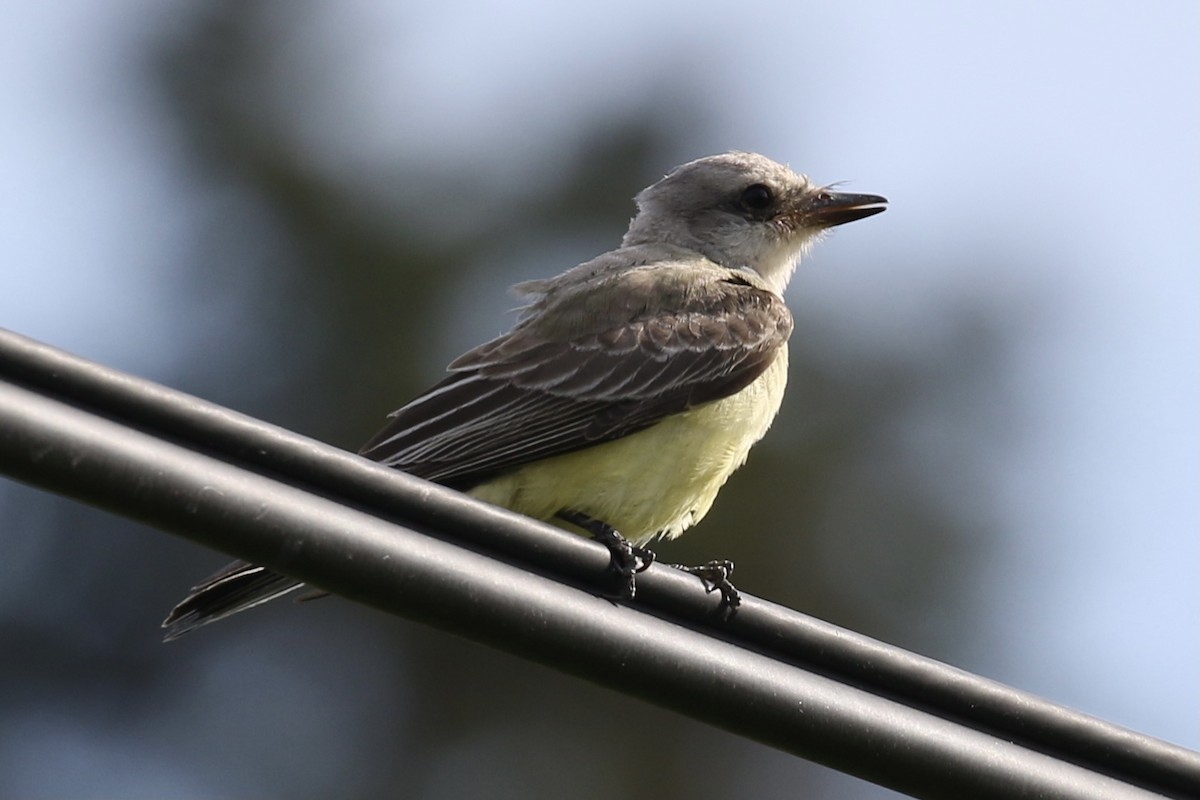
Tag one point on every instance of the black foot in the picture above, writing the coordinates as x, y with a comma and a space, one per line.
715, 575
627, 560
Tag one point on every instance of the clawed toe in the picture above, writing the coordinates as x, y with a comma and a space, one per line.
715, 575
627, 560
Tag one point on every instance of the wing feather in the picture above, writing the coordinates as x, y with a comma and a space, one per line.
540, 391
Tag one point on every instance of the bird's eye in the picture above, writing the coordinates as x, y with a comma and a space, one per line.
757, 197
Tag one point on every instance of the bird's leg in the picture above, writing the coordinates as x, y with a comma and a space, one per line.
627, 560
715, 575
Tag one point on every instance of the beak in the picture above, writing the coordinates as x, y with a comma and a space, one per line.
826, 209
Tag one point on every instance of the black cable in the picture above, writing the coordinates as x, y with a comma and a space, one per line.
58, 446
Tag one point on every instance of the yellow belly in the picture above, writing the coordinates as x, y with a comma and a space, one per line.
657, 482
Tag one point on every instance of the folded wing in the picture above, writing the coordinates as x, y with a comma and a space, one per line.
547, 388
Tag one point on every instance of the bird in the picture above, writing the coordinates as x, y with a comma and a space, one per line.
630, 387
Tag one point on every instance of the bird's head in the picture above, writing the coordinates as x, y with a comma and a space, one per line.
744, 211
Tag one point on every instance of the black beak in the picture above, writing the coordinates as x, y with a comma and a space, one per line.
827, 208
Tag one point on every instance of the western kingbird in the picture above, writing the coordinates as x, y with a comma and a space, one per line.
630, 388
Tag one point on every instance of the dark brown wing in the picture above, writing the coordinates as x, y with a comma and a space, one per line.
549, 388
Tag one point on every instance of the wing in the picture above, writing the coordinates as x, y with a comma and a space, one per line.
567, 377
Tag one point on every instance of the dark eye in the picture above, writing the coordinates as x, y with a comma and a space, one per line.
757, 197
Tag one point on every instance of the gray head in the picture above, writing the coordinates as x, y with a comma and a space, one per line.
743, 211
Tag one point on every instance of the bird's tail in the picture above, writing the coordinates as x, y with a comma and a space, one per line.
235, 588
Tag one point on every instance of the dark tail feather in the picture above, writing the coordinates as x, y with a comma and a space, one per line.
235, 588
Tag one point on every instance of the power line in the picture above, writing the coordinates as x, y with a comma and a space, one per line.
412, 548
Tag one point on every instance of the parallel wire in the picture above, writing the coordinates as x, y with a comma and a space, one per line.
69, 425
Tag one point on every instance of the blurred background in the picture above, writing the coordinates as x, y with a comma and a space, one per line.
990, 451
